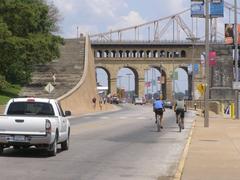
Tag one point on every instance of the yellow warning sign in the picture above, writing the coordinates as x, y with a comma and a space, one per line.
201, 88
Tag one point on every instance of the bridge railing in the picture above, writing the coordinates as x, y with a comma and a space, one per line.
96, 42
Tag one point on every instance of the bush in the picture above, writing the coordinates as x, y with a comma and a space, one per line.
3, 83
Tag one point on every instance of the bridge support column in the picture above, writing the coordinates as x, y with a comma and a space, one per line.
113, 85
169, 89
141, 87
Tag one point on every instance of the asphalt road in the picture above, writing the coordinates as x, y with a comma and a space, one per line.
123, 144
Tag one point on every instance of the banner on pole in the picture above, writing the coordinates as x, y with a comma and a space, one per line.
212, 58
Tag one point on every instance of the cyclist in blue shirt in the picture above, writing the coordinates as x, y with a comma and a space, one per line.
158, 108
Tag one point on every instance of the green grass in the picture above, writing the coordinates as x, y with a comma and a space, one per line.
8, 93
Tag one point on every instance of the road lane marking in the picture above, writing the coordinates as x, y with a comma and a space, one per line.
179, 172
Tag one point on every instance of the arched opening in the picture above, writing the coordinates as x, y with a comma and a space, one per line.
155, 54
183, 53
127, 84
134, 53
169, 54
127, 54
106, 54
99, 54
162, 53
149, 54
141, 54
103, 80
155, 83
113, 54
120, 53
181, 83
176, 54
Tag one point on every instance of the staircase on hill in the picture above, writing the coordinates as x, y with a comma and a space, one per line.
68, 71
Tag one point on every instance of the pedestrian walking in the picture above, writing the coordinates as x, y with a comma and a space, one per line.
94, 102
54, 78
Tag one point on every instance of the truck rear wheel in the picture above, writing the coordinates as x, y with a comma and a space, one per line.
65, 144
53, 148
1, 149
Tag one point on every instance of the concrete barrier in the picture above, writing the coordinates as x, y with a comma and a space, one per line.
79, 99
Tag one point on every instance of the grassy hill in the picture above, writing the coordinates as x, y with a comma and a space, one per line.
10, 92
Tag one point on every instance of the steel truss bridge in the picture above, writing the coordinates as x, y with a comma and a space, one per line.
172, 28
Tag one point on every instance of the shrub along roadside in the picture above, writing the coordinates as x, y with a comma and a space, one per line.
9, 92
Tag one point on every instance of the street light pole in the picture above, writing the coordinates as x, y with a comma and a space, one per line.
146, 70
193, 39
236, 57
207, 78
120, 84
129, 74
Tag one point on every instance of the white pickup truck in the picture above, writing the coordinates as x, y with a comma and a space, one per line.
38, 122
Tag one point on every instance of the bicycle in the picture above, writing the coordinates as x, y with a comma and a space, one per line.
158, 123
180, 121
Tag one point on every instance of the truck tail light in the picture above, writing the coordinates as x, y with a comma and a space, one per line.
48, 126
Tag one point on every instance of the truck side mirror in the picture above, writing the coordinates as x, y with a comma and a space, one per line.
68, 113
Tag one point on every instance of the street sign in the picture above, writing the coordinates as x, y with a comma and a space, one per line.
201, 88
236, 85
49, 87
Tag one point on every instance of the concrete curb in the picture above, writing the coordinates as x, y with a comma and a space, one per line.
181, 163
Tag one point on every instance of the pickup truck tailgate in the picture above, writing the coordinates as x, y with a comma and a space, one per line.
25, 125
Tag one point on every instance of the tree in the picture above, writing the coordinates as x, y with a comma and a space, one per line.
26, 38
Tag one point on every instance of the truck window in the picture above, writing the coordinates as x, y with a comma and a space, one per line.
30, 108
60, 111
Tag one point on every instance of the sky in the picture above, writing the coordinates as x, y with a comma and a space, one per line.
96, 16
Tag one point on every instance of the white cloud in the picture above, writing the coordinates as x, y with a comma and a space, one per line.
133, 18
65, 6
77, 29
175, 6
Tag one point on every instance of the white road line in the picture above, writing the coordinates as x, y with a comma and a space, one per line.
105, 117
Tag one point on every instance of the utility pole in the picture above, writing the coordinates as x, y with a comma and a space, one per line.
120, 84
207, 78
236, 57
129, 74
77, 32
194, 40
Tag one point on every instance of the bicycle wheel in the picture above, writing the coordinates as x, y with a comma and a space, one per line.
180, 123
158, 123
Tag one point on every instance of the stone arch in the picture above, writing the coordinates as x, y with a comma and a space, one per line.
99, 54
155, 54
134, 53
176, 54
106, 54
189, 79
121, 54
149, 53
141, 53
183, 53
163, 80
169, 54
136, 76
113, 54
128, 54
162, 53
108, 76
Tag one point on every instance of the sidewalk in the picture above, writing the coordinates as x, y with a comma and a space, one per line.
214, 152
